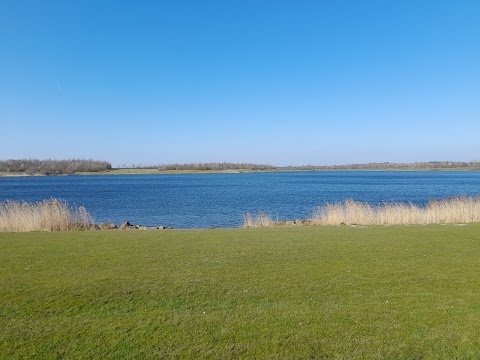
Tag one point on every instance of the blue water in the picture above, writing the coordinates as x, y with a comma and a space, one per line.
220, 200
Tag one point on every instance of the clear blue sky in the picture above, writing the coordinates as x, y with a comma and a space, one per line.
279, 82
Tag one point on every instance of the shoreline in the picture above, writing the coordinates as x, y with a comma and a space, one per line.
240, 171
57, 215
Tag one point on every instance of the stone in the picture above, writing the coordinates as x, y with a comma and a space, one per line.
125, 226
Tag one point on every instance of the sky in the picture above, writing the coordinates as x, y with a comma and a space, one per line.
275, 82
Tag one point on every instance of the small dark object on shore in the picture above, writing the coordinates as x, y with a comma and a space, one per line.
128, 226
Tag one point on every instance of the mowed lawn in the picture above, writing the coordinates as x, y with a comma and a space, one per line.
273, 293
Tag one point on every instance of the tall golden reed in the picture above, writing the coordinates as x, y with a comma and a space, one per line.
446, 211
260, 219
47, 215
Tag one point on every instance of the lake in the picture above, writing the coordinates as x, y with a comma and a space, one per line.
220, 200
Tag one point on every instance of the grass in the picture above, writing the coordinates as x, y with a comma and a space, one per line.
47, 215
121, 172
140, 171
397, 292
8, 174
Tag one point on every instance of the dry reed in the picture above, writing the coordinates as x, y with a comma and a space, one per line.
47, 215
260, 219
446, 211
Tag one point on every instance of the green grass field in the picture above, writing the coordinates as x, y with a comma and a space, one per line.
276, 293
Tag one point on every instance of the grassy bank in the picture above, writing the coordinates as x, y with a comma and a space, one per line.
138, 171
307, 292
156, 171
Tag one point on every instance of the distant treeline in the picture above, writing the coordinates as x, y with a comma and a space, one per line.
53, 167
214, 166
59, 167
428, 165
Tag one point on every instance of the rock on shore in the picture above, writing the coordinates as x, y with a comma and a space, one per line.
128, 226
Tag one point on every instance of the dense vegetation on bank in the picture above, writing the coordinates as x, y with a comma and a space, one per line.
60, 167
401, 292
53, 167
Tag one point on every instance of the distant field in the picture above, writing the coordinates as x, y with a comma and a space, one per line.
307, 292
156, 171
4, 173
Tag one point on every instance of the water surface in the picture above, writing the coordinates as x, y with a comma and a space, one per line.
220, 200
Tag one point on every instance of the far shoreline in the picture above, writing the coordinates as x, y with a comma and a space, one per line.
142, 171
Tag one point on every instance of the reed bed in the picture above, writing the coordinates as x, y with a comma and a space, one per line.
47, 215
260, 219
445, 211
